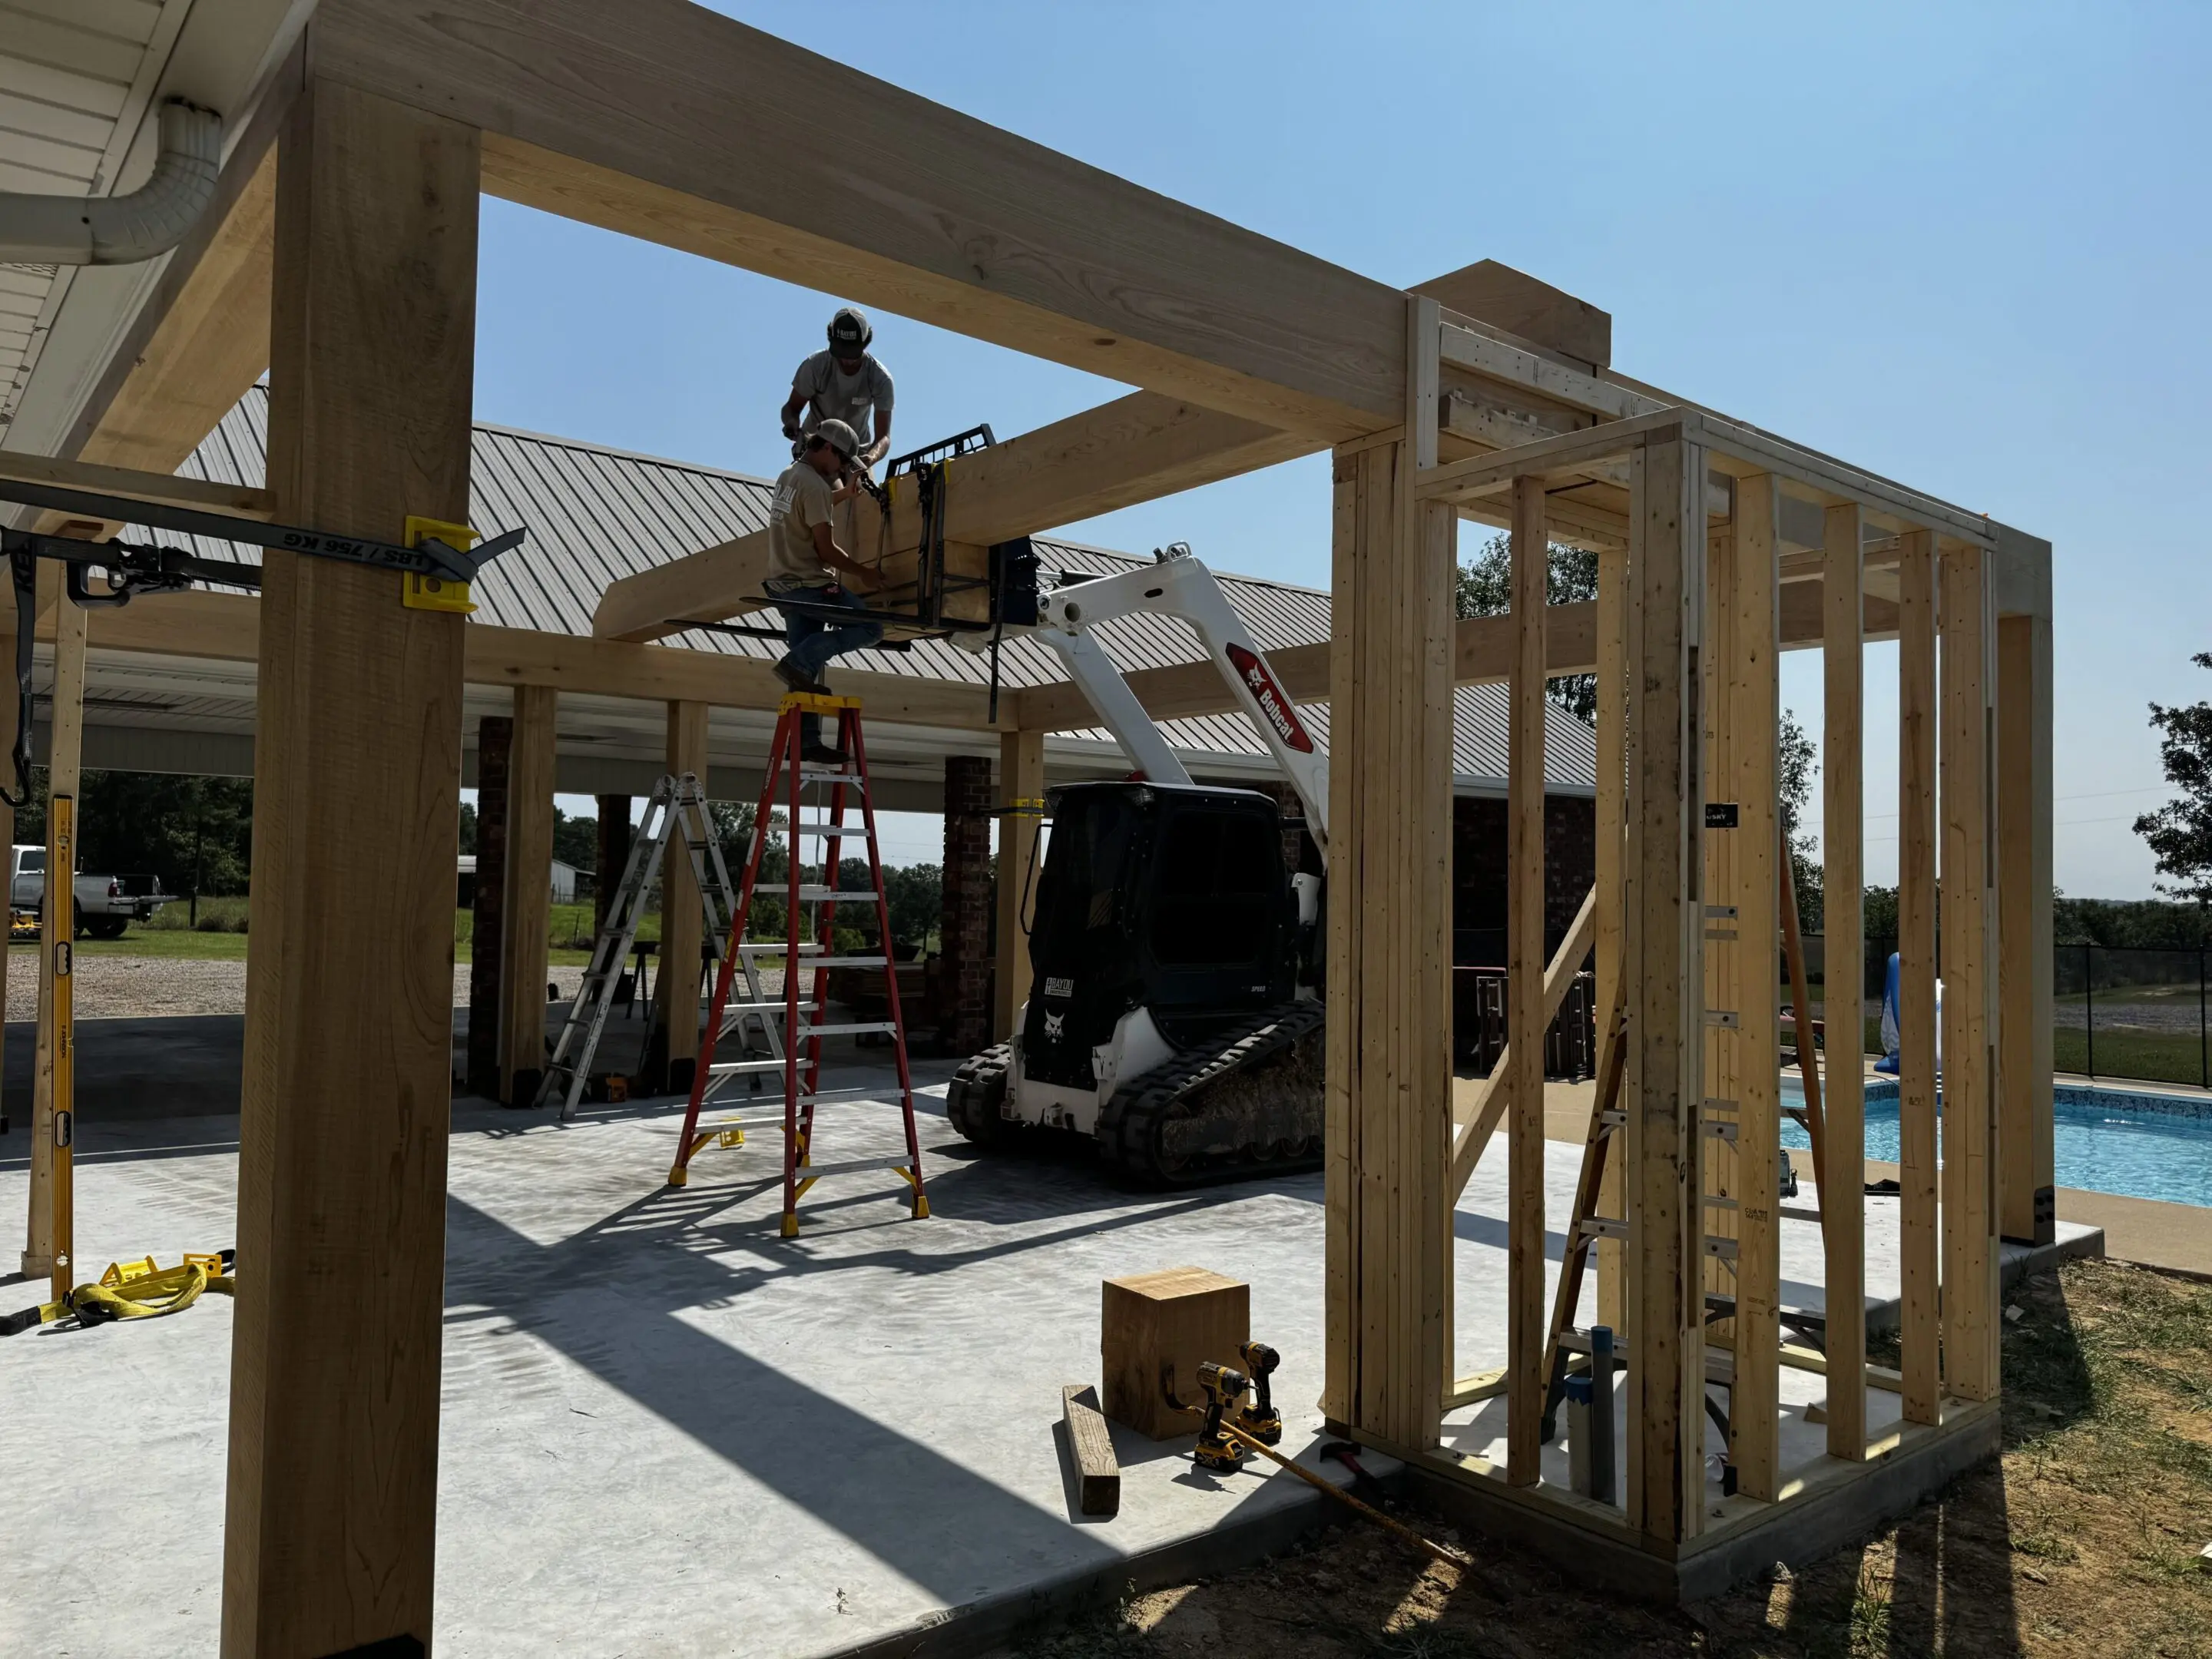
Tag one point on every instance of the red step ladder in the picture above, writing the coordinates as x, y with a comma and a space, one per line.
784, 1033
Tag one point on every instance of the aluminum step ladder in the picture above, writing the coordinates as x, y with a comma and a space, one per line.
796, 1016
677, 806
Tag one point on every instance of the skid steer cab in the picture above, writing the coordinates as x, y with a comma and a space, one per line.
1173, 1014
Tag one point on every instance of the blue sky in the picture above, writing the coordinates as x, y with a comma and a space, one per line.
1964, 247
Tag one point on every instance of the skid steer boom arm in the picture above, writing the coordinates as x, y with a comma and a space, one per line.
1179, 586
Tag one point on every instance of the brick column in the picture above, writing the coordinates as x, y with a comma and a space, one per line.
494, 738
965, 918
613, 854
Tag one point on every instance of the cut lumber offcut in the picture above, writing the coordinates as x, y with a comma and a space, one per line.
1155, 1330
1090, 1450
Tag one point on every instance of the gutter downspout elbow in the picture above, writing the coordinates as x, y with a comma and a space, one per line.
118, 230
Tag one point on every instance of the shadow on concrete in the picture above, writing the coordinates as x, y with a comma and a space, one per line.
892, 1495
132, 1070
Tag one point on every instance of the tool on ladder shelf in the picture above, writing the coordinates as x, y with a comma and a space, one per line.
809, 951
678, 806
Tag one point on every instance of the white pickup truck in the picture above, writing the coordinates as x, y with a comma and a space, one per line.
106, 905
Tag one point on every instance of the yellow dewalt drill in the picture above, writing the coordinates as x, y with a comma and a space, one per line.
1225, 1387
1260, 1418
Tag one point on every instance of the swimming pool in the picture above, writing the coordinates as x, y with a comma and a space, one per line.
2107, 1140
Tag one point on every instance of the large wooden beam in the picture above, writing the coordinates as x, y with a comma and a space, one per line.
166, 489
667, 122
526, 927
225, 627
1131, 450
1610, 892
330, 1541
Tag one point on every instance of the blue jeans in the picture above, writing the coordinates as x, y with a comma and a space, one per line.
814, 639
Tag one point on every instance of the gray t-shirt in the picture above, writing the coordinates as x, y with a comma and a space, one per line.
802, 500
833, 395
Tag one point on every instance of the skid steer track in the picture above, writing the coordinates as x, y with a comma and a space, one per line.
1248, 1103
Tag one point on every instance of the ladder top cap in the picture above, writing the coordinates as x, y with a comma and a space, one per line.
815, 703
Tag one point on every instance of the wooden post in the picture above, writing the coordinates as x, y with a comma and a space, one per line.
529, 884
1612, 818
488, 906
1969, 1208
330, 1540
1021, 796
683, 921
1388, 1046
613, 851
1666, 945
1916, 993
1843, 798
1524, 995
1754, 712
47, 1236
2028, 1160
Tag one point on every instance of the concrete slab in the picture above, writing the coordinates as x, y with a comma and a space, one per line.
666, 1429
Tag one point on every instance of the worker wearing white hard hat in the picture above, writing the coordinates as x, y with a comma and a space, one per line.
809, 568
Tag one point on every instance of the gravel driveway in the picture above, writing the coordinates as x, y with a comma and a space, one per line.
137, 987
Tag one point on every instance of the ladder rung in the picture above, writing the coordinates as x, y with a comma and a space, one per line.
810, 774
1723, 1247
738, 1067
765, 1006
810, 963
829, 831
847, 1030
825, 895
1715, 1104
1720, 912
1720, 1131
859, 1091
1796, 1212
1718, 1202
1614, 1118
850, 1166
1604, 1226
1726, 1019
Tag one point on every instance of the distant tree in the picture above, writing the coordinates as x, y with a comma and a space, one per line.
1796, 760
1484, 587
193, 834
576, 841
2180, 832
469, 827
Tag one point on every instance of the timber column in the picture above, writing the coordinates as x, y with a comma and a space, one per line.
332, 1506
529, 882
1021, 803
1388, 1091
965, 908
683, 916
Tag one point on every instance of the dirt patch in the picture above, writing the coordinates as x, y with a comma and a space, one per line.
2081, 1540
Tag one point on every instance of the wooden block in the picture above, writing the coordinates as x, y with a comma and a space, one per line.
1090, 1450
1173, 1322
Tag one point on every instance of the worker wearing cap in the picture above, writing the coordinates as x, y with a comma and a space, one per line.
842, 383
807, 565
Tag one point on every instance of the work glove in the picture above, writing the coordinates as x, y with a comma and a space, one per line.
791, 430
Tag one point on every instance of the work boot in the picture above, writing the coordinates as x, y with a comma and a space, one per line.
821, 754
796, 678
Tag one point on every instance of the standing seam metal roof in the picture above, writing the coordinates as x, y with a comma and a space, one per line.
597, 514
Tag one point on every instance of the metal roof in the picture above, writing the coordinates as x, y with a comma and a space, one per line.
596, 514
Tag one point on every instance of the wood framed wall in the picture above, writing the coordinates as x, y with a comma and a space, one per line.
1706, 570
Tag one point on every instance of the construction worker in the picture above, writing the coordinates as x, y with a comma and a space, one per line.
806, 564
843, 383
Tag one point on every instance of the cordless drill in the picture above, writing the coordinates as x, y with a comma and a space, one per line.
1260, 1418
1223, 1387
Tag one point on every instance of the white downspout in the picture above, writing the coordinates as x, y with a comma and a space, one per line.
121, 230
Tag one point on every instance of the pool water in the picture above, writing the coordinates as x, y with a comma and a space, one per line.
2107, 1140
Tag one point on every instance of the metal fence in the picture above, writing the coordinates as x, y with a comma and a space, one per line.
2117, 1011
